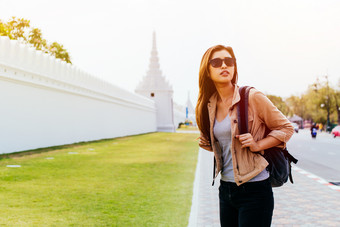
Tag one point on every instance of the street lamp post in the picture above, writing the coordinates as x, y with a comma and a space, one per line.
327, 103
327, 106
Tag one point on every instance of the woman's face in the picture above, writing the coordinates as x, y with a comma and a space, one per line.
221, 74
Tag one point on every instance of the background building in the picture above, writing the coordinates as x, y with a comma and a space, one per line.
155, 87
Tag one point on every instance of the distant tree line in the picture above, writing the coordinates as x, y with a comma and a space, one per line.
318, 101
20, 29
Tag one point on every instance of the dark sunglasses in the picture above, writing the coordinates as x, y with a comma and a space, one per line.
217, 62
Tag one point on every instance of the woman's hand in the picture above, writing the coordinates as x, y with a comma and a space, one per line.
247, 140
204, 143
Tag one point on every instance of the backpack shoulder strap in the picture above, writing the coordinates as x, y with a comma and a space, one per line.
242, 109
290, 160
213, 182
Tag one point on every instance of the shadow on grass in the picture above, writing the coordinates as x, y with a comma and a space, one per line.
61, 147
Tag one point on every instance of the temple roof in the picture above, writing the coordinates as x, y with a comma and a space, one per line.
189, 105
154, 80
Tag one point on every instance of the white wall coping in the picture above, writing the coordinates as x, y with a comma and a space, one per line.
25, 64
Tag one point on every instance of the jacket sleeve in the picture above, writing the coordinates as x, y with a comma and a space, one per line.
279, 125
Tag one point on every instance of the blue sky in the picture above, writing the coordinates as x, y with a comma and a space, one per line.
281, 46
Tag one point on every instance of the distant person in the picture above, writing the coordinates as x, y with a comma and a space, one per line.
320, 127
314, 130
245, 192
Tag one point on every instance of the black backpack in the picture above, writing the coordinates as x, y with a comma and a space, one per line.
279, 159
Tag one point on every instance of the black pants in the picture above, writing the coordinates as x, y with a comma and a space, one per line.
250, 204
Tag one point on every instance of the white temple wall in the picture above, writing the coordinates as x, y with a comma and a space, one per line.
46, 102
165, 115
179, 117
165, 111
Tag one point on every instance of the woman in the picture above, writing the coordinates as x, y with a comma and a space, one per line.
245, 193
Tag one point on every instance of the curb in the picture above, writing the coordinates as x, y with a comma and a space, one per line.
194, 203
316, 178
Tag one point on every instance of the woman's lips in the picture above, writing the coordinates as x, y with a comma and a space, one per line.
224, 73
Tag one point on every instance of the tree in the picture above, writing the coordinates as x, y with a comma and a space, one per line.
280, 104
320, 103
17, 28
35, 38
58, 51
297, 106
20, 29
337, 103
330, 100
317, 103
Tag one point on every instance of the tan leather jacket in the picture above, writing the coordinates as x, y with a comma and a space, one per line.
261, 113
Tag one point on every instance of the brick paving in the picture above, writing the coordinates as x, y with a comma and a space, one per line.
304, 203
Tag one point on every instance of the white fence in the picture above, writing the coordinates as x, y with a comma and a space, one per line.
46, 102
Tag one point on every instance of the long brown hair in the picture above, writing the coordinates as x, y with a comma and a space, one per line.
207, 88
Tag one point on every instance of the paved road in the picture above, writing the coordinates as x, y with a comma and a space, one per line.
320, 156
307, 202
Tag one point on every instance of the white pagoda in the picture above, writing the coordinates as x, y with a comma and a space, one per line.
155, 87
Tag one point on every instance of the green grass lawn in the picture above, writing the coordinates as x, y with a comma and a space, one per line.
143, 180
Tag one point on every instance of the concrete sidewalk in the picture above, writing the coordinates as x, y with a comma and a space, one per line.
310, 201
